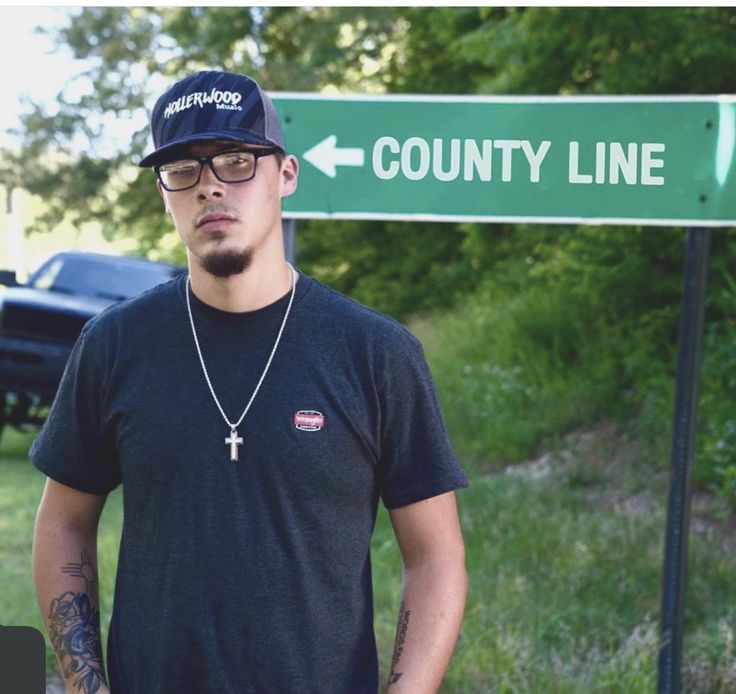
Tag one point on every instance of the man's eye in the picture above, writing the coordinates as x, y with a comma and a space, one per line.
180, 170
235, 160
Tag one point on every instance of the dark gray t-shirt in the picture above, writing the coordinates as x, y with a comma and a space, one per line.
247, 576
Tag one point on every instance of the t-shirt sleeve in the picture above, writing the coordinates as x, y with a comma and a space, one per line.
417, 460
75, 447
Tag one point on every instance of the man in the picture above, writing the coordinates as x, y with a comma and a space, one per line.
253, 417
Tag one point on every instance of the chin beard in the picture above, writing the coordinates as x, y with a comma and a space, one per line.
227, 263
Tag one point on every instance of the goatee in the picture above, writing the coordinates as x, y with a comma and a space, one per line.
227, 263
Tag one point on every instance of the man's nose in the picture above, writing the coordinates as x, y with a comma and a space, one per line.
209, 185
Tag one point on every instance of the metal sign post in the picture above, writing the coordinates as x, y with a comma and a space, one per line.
683, 453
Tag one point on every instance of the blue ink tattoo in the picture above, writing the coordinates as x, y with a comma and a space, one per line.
74, 627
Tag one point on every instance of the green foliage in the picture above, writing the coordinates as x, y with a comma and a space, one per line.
580, 329
428, 60
716, 466
139, 211
599, 50
359, 259
500, 368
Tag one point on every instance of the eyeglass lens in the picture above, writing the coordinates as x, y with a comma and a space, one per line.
231, 167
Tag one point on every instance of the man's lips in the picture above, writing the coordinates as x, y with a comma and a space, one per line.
215, 220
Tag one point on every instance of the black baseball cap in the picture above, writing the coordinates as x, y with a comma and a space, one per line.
212, 105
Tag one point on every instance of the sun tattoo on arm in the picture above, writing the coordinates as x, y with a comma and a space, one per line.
84, 570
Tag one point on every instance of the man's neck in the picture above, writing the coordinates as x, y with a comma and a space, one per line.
260, 285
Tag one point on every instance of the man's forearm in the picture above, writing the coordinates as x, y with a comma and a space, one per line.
432, 606
65, 575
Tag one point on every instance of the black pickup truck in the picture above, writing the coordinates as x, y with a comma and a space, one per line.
41, 320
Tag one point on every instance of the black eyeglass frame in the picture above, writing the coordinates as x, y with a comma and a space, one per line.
257, 154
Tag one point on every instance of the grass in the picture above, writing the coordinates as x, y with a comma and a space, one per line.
515, 371
20, 491
564, 559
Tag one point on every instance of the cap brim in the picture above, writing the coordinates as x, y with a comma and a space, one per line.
164, 154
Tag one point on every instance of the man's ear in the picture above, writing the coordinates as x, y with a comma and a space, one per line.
289, 175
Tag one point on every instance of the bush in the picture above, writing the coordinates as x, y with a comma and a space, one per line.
582, 329
716, 464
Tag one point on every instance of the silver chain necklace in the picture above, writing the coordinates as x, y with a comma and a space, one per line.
234, 440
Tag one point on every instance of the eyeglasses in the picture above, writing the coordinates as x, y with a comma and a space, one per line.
228, 167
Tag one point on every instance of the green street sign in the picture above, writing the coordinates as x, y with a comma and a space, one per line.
580, 160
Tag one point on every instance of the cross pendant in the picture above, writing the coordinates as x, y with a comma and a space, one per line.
233, 441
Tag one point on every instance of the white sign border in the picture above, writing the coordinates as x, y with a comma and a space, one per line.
511, 99
507, 219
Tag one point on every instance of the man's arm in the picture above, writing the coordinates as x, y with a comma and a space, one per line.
433, 595
65, 575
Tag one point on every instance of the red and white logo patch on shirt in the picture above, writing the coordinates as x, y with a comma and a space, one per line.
309, 420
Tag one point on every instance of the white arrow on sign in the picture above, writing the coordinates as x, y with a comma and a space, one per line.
327, 156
